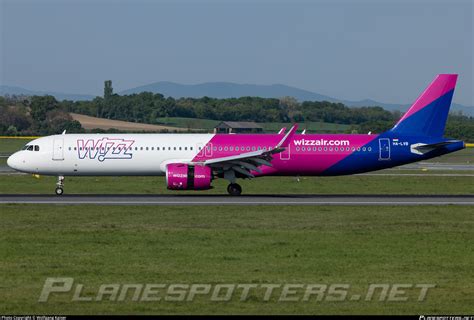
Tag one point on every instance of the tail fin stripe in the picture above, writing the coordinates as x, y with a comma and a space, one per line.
441, 85
428, 115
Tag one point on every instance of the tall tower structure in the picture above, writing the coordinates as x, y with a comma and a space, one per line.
108, 90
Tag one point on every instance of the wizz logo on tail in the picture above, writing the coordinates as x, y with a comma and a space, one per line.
105, 148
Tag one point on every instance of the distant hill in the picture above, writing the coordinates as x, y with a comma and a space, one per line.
58, 95
229, 90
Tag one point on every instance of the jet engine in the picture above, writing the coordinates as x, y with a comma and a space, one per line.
180, 176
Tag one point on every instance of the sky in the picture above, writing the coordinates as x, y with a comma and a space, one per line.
384, 50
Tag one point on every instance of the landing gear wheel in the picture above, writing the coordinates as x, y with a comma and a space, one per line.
59, 191
59, 186
234, 189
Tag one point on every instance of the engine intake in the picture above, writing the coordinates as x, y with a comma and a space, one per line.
180, 176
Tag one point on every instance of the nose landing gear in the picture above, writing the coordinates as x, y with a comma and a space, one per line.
234, 189
59, 186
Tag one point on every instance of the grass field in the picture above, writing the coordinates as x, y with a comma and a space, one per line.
464, 156
8, 146
260, 245
358, 246
268, 185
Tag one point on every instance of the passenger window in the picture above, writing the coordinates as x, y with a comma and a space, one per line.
191, 148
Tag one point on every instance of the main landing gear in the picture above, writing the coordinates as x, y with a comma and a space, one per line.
234, 189
59, 186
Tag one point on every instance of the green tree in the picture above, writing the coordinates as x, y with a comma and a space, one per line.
41, 105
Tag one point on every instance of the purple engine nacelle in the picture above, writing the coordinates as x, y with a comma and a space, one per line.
180, 176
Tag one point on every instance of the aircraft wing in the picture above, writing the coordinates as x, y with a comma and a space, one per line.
250, 161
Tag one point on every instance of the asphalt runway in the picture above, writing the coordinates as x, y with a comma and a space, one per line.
246, 200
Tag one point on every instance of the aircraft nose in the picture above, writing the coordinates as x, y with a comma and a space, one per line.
13, 161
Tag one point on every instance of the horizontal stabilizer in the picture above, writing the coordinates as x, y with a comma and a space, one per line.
421, 148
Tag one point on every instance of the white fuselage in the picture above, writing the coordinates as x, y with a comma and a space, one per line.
108, 154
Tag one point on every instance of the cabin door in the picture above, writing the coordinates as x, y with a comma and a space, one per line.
58, 149
384, 149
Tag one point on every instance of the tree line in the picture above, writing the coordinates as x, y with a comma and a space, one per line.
45, 115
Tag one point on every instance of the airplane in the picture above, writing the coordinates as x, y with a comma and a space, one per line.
193, 161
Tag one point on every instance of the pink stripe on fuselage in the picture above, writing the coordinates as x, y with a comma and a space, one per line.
441, 85
308, 154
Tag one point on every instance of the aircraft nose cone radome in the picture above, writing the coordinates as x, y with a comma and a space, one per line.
13, 161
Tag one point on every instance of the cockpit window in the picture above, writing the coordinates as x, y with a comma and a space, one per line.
30, 147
